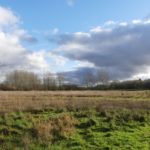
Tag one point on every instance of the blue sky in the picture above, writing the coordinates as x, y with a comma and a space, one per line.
53, 33
84, 14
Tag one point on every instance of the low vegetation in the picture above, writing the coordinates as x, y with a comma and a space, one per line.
85, 129
34, 101
75, 120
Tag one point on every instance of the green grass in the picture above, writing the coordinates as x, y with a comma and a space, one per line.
97, 130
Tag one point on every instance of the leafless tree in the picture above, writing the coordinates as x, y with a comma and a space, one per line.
49, 81
22, 80
102, 77
60, 79
89, 78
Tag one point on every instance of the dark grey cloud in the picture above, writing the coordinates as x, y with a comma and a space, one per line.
123, 50
78, 76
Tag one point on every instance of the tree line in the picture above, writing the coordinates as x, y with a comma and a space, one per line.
26, 81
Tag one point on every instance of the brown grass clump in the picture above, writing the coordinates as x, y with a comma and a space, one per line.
56, 128
26, 141
64, 125
43, 130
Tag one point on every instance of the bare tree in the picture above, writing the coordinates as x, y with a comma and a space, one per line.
49, 81
22, 80
89, 78
102, 77
60, 79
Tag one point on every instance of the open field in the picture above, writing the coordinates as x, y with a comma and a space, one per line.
78, 120
26, 101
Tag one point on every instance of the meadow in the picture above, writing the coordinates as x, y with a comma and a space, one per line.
75, 120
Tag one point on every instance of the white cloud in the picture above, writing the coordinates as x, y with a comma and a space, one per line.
97, 29
37, 60
123, 23
57, 60
11, 50
82, 64
147, 21
13, 55
109, 23
137, 21
100, 29
7, 17
124, 49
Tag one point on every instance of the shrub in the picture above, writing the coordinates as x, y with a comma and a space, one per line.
56, 128
43, 130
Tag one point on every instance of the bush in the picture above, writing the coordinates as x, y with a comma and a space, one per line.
57, 128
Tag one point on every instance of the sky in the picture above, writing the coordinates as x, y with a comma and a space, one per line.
75, 35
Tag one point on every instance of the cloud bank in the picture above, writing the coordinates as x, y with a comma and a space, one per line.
121, 48
13, 55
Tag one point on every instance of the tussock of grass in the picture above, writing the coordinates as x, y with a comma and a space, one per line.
56, 128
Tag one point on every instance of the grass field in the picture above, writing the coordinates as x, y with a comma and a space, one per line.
75, 120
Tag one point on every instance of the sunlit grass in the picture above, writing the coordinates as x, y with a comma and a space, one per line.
75, 120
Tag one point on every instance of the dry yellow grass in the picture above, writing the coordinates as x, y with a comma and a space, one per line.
38, 100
